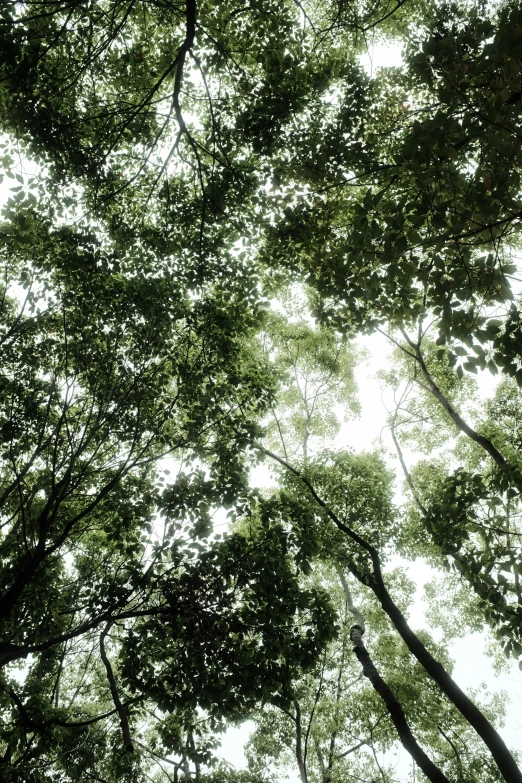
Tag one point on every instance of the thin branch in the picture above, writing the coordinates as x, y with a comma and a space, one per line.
352, 749
452, 745
120, 709
405, 470
456, 418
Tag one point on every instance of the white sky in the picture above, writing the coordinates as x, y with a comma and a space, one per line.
379, 55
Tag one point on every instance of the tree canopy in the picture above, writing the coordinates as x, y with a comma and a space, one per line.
204, 206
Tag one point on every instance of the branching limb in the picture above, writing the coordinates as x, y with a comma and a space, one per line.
456, 418
492, 739
451, 744
157, 757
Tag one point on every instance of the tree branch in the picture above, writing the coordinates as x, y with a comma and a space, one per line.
299, 743
124, 721
405, 470
432, 772
184, 49
456, 418
349, 601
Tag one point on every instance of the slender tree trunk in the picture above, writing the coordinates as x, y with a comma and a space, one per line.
320, 757
328, 773
447, 684
394, 708
502, 756
124, 721
333, 736
432, 772
299, 743
192, 745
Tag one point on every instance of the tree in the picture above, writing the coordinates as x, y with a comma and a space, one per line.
316, 387
193, 162
339, 726
103, 378
471, 513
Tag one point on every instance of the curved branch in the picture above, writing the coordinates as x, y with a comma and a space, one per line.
456, 418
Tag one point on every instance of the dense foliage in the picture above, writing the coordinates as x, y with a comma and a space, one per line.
204, 205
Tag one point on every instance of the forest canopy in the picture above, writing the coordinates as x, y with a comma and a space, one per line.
205, 206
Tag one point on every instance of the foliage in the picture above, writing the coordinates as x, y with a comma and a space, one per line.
206, 203
316, 389
346, 732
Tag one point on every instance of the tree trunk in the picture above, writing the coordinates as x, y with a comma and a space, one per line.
432, 772
124, 721
299, 744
